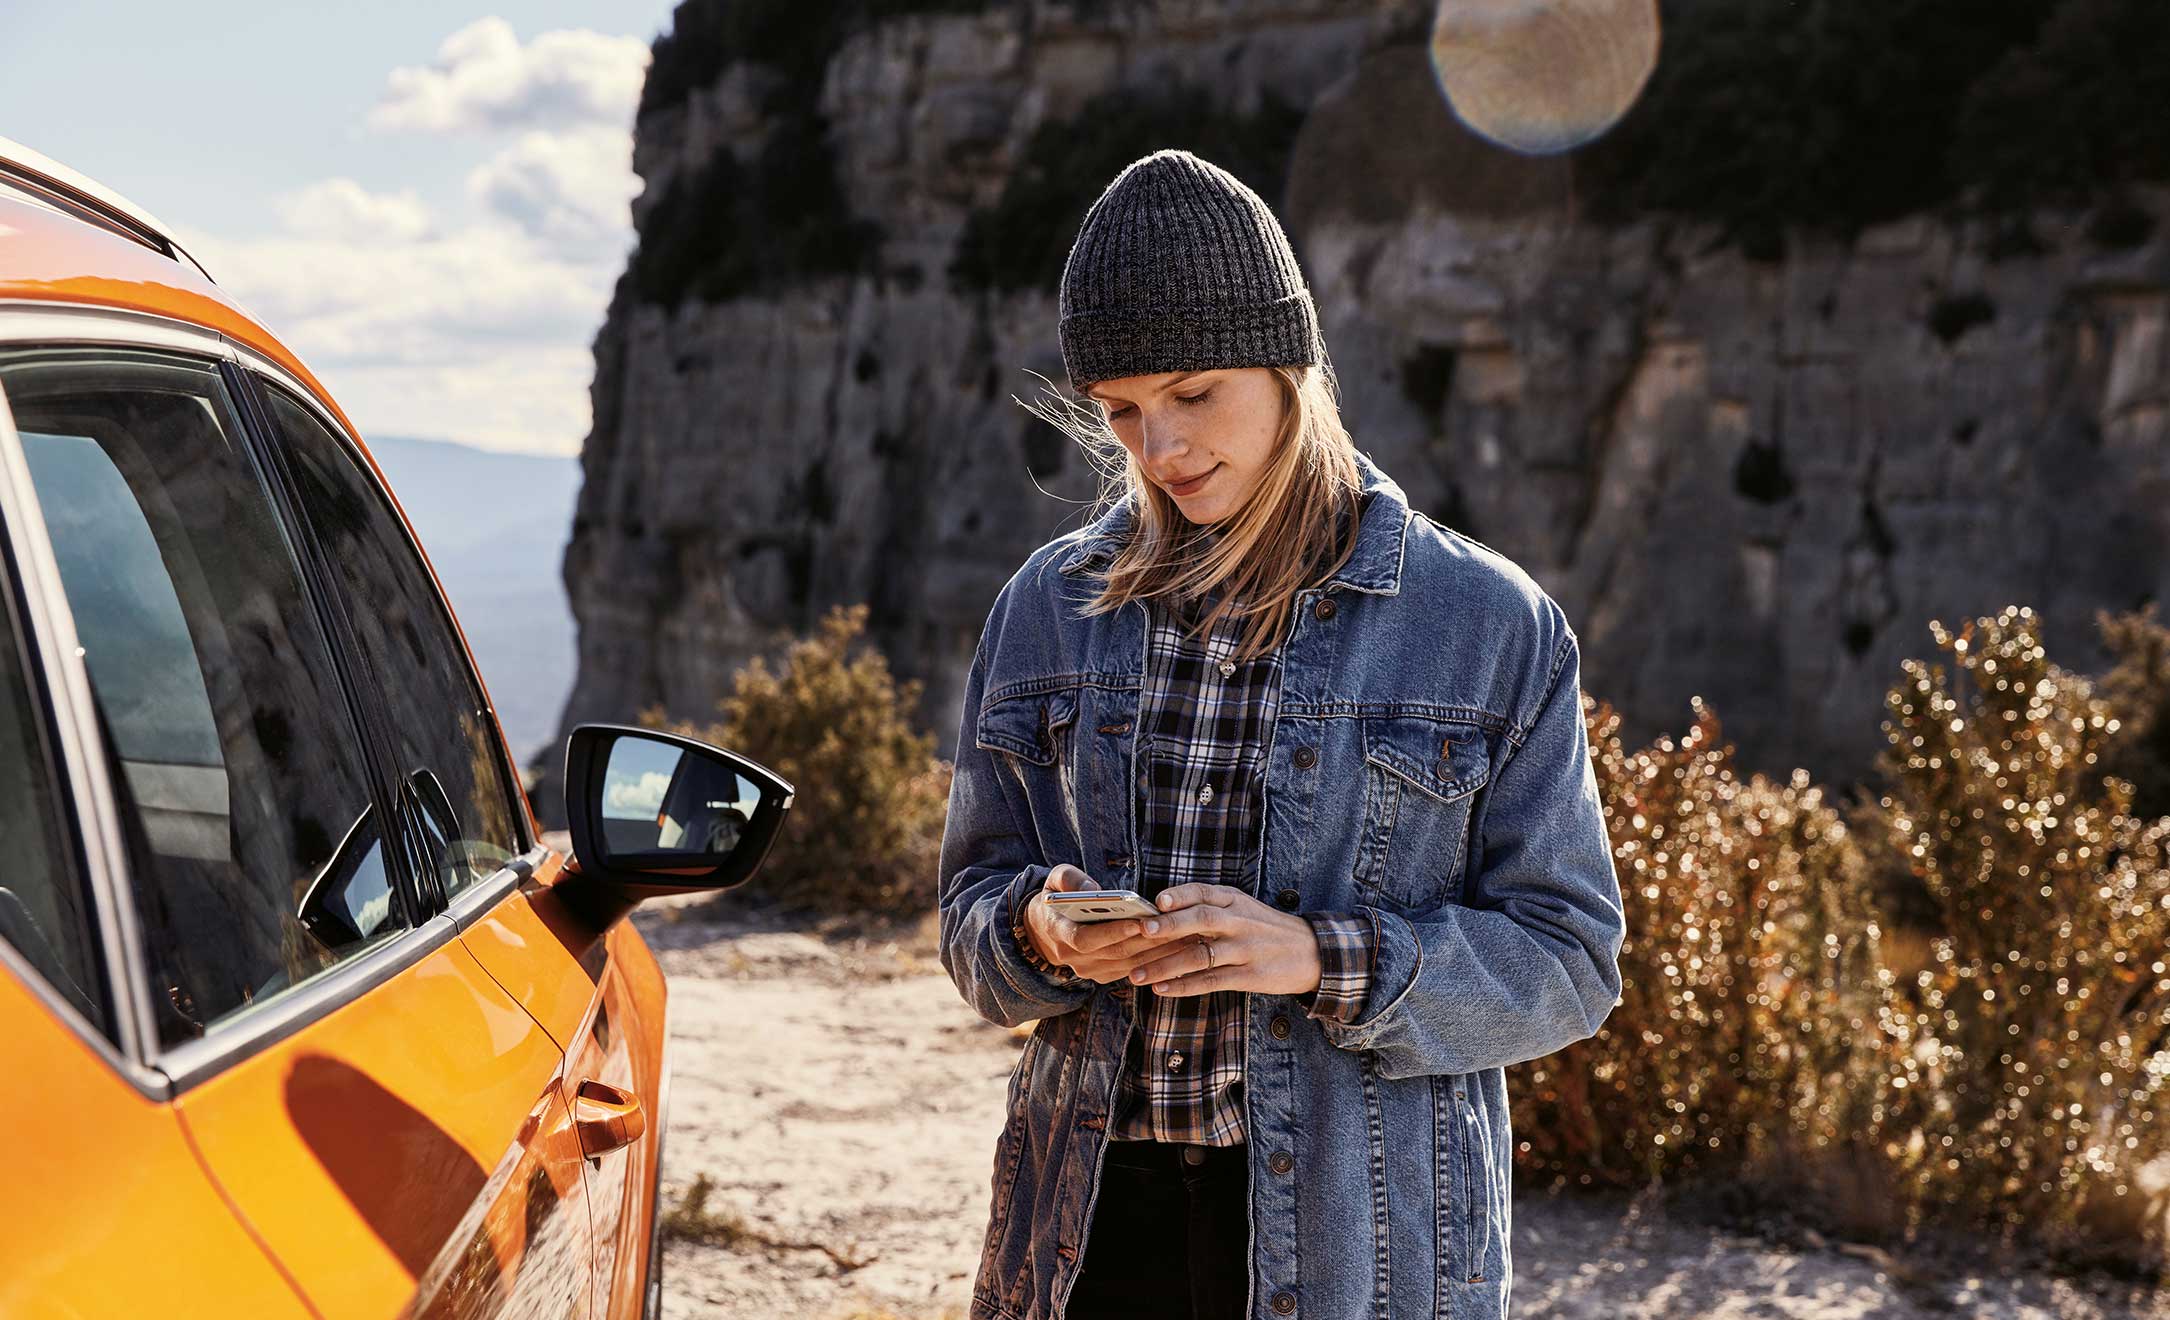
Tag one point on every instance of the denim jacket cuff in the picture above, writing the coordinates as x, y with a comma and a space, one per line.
1397, 957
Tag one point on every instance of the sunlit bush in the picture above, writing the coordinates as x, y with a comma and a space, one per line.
1749, 995
1948, 1005
2035, 1091
865, 827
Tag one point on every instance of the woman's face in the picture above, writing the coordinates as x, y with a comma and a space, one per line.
1212, 427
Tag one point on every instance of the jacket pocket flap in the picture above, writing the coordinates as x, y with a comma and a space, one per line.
1446, 758
1024, 725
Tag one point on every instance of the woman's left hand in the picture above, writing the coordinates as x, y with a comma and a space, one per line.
1252, 946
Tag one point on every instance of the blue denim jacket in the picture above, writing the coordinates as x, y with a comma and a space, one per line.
1429, 760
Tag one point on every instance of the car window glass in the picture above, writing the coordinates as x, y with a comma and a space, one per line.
450, 755
255, 853
45, 912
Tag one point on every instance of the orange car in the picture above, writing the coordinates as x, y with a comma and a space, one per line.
297, 1014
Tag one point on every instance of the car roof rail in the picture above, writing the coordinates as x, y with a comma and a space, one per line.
39, 178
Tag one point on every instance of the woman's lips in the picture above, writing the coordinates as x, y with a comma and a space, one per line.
1191, 487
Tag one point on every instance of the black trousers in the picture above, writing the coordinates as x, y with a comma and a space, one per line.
1171, 1235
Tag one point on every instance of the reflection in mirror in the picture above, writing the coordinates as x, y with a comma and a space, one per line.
659, 798
351, 897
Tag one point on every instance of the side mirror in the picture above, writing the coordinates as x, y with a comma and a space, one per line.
655, 813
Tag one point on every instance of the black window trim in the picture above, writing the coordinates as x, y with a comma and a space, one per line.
260, 369
159, 1074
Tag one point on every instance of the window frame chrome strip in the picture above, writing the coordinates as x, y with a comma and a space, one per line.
51, 622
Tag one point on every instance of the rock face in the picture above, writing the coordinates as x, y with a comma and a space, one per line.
1753, 482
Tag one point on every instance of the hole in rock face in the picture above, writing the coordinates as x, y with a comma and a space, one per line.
1760, 473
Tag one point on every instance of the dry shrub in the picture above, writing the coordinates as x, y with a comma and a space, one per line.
1749, 988
1947, 1005
864, 832
2033, 1091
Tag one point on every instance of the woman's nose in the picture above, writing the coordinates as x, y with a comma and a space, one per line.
1163, 442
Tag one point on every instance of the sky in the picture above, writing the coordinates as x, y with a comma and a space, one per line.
428, 205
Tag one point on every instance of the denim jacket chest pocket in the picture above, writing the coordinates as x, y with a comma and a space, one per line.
1031, 731
1422, 775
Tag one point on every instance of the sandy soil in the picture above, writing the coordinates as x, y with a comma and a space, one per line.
835, 1090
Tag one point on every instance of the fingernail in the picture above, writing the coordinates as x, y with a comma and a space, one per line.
1164, 900
1138, 975
1152, 927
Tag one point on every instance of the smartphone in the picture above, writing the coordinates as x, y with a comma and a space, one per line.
1090, 905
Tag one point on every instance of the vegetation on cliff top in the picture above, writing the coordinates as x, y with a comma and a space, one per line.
1831, 115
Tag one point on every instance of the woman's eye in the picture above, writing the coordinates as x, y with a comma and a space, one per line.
1114, 413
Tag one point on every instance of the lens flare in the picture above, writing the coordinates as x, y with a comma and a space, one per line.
1543, 76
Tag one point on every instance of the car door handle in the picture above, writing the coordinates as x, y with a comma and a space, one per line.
606, 1117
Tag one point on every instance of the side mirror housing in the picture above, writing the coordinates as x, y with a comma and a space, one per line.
654, 813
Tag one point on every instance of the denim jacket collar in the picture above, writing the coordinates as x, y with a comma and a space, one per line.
1374, 566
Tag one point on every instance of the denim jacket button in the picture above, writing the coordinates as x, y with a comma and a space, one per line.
1281, 1162
1304, 758
1284, 1303
1288, 899
1279, 1026
1324, 610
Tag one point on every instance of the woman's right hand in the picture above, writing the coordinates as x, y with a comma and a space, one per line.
1103, 951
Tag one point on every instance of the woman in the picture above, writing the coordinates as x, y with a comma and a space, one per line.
1339, 746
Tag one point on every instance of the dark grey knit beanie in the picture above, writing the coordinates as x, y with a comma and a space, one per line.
1181, 267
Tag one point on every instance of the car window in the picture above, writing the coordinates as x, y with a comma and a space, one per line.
255, 854
450, 755
45, 911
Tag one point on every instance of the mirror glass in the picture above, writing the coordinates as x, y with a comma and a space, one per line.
662, 799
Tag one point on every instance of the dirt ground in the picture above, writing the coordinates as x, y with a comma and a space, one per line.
843, 1103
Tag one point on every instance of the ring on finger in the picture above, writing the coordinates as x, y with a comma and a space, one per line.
1209, 953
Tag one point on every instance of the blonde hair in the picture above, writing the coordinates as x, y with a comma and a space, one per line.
1297, 527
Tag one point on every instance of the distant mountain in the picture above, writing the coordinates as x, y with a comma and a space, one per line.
495, 526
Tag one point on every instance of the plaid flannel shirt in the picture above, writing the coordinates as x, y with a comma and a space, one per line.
1204, 723
1204, 719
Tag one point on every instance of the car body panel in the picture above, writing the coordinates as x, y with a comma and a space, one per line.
54, 258
113, 1214
360, 1148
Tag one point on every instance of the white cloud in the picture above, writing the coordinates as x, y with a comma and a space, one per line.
342, 208
484, 78
571, 189
422, 321
641, 797
479, 334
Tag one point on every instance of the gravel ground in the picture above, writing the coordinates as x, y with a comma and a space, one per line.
843, 1102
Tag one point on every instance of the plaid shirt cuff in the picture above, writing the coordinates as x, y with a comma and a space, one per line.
1021, 891
1348, 942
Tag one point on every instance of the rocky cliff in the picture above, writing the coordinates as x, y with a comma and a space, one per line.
1745, 479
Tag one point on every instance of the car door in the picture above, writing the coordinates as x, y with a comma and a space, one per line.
381, 1116
100, 1170
553, 958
